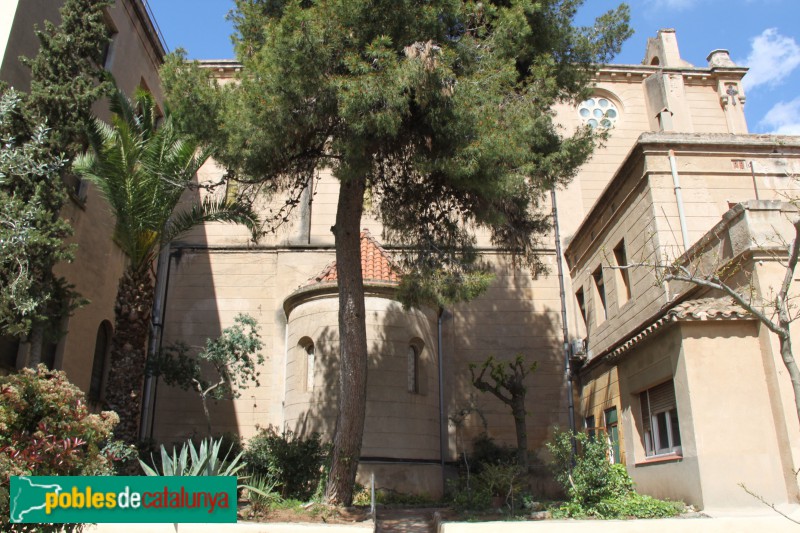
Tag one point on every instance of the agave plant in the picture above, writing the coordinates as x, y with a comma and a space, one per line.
191, 461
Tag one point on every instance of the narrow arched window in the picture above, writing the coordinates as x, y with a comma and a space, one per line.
310, 367
307, 368
413, 369
102, 346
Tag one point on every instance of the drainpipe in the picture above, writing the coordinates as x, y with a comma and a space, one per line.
755, 181
154, 342
564, 327
679, 198
285, 365
442, 419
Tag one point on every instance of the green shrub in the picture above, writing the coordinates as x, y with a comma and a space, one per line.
296, 464
46, 429
485, 451
637, 506
472, 496
597, 488
591, 479
384, 496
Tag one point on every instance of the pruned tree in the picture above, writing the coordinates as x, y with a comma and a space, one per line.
234, 357
439, 112
506, 381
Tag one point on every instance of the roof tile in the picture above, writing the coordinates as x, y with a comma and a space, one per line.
376, 264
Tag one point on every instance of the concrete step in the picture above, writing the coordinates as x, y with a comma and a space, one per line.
405, 520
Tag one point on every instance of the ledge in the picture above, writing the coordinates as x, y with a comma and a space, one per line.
658, 459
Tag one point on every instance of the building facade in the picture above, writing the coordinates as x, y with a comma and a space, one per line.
133, 57
681, 382
419, 379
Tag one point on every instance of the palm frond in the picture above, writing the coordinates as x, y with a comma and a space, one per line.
143, 171
213, 210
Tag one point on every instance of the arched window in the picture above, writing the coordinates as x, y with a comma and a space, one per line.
413, 369
102, 346
307, 346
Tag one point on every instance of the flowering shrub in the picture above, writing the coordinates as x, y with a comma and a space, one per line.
46, 429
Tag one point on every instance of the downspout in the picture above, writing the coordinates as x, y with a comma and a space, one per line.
564, 327
285, 365
679, 198
755, 181
154, 342
442, 419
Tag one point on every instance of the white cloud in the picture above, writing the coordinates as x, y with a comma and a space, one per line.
783, 118
772, 58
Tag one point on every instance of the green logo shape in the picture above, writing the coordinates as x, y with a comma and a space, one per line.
122, 499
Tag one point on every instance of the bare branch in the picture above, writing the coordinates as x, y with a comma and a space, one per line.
783, 314
724, 287
768, 504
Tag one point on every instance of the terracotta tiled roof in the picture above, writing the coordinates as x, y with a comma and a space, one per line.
376, 264
709, 309
690, 310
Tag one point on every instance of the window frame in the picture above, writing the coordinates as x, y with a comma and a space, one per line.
614, 448
652, 432
590, 425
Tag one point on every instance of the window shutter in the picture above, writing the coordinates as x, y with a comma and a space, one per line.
645, 411
662, 397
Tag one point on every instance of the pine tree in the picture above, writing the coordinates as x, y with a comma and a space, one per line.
440, 111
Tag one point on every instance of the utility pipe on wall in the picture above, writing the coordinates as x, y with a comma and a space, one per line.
154, 341
676, 182
442, 427
285, 370
564, 327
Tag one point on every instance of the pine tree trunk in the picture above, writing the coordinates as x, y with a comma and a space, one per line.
36, 341
352, 346
129, 351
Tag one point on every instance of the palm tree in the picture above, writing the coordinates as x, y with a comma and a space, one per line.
143, 168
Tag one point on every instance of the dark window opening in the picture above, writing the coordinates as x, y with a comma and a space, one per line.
600, 294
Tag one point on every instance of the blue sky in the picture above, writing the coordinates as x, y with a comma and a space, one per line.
761, 34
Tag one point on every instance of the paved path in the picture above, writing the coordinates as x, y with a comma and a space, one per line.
420, 520
739, 524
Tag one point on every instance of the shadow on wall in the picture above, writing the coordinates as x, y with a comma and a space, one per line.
320, 417
519, 314
193, 312
402, 390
